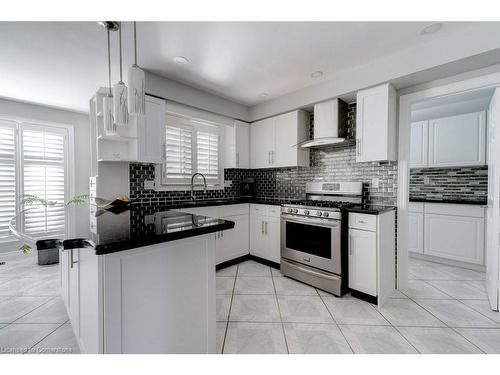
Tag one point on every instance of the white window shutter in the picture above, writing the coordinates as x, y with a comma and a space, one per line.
7, 176
43, 174
179, 164
208, 154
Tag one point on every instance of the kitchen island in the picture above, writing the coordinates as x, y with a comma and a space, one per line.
142, 280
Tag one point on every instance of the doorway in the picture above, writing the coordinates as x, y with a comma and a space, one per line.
448, 192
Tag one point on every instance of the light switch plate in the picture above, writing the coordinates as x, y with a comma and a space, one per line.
375, 182
149, 184
149, 219
228, 183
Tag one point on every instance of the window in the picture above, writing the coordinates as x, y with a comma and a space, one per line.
33, 160
192, 146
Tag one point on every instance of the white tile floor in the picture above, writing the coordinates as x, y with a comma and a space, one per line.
258, 311
33, 318
444, 310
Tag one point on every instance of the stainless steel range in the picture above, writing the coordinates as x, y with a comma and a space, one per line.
314, 235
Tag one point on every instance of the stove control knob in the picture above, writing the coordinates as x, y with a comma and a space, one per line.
290, 210
295, 210
325, 214
306, 212
319, 213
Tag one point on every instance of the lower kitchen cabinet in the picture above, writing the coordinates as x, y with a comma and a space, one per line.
265, 232
448, 231
371, 248
233, 243
362, 258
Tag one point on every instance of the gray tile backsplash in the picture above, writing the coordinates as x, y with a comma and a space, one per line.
464, 183
331, 163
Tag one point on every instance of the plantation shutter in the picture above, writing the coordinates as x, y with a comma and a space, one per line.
7, 176
179, 161
43, 174
208, 154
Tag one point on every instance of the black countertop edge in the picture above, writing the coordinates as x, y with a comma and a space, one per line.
370, 209
450, 201
127, 245
77, 243
217, 202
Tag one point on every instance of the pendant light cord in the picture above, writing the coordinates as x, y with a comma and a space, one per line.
135, 43
109, 66
120, 36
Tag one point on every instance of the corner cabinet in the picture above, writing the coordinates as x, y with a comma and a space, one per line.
376, 124
274, 141
142, 140
237, 145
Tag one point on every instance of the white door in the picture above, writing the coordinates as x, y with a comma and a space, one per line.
363, 261
257, 236
492, 211
151, 134
234, 242
273, 230
285, 127
457, 140
419, 144
261, 143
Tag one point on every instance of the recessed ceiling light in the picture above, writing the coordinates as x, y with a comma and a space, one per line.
432, 28
264, 95
181, 60
317, 74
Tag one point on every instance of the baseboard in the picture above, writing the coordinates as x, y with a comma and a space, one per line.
364, 296
448, 262
244, 258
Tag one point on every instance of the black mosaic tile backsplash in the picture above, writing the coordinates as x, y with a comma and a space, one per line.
465, 183
329, 163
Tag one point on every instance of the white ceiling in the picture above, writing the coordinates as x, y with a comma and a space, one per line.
62, 64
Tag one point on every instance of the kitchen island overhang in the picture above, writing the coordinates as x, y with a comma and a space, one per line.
153, 292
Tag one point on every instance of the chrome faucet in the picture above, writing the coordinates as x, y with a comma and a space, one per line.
192, 183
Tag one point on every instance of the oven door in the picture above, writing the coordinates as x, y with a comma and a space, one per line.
315, 242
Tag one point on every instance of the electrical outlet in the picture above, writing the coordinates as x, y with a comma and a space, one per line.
149, 184
149, 219
375, 182
228, 183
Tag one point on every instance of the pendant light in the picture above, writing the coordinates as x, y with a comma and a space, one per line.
107, 101
136, 85
120, 110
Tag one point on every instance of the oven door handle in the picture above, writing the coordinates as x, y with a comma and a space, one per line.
305, 220
310, 272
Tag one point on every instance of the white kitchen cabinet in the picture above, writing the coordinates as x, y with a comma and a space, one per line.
237, 145
362, 261
371, 246
416, 232
233, 243
141, 140
265, 232
273, 141
458, 140
419, 144
455, 232
261, 143
376, 124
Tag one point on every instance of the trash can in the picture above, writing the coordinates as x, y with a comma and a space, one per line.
48, 251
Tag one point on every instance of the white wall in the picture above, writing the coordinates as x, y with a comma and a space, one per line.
180, 93
81, 126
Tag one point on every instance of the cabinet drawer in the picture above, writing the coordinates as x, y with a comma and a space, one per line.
467, 210
233, 209
362, 221
257, 209
416, 207
274, 211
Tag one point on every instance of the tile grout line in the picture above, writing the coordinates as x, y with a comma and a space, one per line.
279, 311
50, 333
36, 308
229, 312
336, 323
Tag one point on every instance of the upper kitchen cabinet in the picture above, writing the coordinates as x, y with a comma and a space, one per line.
458, 140
376, 124
419, 144
142, 140
273, 141
237, 153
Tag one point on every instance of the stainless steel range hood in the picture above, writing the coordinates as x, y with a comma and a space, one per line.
330, 124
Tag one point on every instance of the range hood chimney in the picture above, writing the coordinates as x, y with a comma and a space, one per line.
330, 124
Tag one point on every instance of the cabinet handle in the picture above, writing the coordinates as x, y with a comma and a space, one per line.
272, 157
269, 157
265, 226
262, 227
361, 221
222, 234
238, 159
71, 260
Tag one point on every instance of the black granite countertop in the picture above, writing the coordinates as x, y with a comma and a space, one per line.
450, 201
223, 202
140, 225
371, 209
